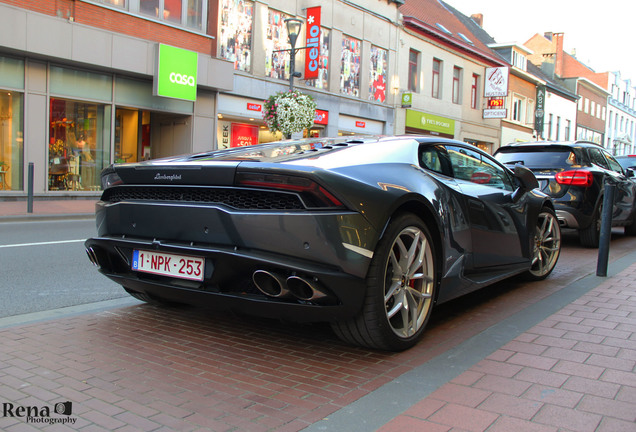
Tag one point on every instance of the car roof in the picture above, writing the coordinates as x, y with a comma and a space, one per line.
578, 143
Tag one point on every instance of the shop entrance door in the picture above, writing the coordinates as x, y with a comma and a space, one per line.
172, 135
132, 135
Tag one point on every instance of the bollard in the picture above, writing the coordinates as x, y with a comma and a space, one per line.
30, 189
606, 230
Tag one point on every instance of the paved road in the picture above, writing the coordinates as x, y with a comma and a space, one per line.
44, 267
141, 367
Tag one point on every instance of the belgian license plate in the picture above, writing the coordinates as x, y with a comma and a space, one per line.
179, 266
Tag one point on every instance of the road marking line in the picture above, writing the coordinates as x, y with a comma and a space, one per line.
42, 243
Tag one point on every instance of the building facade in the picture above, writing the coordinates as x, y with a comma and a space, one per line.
621, 116
77, 90
355, 46
519, 123
589, 86
441, 76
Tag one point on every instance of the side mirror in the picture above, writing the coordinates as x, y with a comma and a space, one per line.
526, 178
629, 172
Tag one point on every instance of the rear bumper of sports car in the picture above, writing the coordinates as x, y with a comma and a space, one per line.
328, 252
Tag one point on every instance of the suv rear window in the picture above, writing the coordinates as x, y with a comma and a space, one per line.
539, 157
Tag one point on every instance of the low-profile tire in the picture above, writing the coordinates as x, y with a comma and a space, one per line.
401, 284
591, 236
546, 245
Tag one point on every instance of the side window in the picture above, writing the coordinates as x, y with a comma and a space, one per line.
472, 166
435, 158
613, 163
596, 157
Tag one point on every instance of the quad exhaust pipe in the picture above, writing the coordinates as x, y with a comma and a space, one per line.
305, 289
270, 284
92, 256
277, 286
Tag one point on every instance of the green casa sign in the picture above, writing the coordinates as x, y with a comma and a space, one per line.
430, 122
176, 74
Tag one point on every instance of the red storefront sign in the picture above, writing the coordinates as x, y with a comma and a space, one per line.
322, 117
360, 124
312, 53
243, 135
254, 107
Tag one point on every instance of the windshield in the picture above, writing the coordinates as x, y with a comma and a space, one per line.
540, 157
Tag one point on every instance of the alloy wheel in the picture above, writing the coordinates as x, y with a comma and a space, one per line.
409, 280
547, 244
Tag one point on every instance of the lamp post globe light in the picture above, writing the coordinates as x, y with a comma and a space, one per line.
293, 30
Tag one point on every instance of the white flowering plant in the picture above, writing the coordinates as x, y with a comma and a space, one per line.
289, 112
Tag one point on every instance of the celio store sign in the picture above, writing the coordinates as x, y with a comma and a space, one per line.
176, 73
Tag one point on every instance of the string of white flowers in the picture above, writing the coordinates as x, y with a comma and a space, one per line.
289, 112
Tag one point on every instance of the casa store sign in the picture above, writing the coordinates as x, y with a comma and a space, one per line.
322, 117
175, 73
254, 107
312, 36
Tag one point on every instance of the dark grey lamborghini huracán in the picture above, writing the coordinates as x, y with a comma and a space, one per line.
367, 234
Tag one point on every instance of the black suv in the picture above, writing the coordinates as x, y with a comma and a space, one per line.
574, 175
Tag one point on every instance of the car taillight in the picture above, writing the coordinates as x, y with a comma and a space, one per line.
575, 178
313, 194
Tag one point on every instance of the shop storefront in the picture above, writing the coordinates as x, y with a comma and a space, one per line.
79, 122
349, 125
240, 123
11, 123
85, 136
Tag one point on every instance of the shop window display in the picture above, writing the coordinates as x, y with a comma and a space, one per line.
377, 74
236, 32
77, 151
276, 41
11, 141
350, 69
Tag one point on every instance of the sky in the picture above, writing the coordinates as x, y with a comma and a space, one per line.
602, 35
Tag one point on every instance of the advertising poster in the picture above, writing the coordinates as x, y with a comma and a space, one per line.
244, 135
377, 74
236, 32
350, 69
276, 44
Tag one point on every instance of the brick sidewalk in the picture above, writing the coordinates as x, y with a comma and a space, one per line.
149, 368
574, 371
18, 210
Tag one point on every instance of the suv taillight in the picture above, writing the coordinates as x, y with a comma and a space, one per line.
575, 178
314, 195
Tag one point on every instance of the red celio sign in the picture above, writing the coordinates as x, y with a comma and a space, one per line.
312, 53
254, 107
322, 117
360, 124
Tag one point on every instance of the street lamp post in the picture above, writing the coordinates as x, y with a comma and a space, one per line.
293, 30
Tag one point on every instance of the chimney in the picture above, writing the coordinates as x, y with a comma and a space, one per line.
558, 67
478, 18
